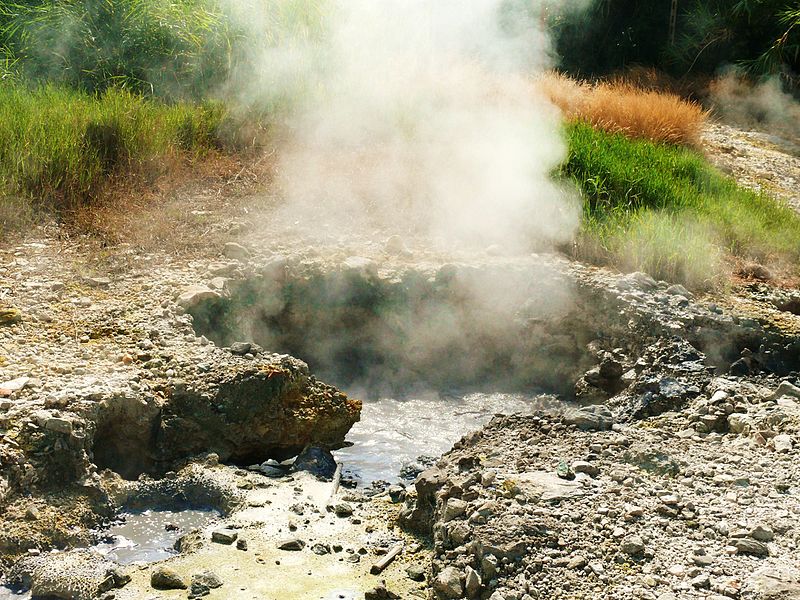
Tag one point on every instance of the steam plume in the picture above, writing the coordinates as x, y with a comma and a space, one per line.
420, 115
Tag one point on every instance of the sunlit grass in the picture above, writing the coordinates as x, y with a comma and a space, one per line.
665, 210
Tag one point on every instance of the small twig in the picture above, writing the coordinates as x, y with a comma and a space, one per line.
387, 559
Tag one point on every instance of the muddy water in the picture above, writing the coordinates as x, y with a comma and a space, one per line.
392, 432
150, 535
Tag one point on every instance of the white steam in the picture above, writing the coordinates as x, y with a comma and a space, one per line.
421, 116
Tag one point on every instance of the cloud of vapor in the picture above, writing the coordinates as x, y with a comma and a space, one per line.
419, 116
763, 105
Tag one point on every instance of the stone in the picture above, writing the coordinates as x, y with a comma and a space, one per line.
701, 582
774, 582
241, 544
632, 545
235, 251
547, 487
762, 533
750, 546
224, 536
317, 461
10, 316
581, 466
472, 582
240, 348
415, 573
195, 295
343, 510
291, 544
447, 584
208, 579
58, 425
9, 387
739, 423
98, 282
783, 443
453, 508
395, 245
590, 418
577, 562
380, 592
786, 389
166, 578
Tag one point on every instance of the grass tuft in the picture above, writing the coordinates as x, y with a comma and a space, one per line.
59, 146
620, 107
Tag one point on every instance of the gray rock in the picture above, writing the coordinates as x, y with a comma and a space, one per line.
750, 546
632, 545
343, 510
58, 425
472, 582
166, 578
762, 533
783, 443
317, 461
774, 582
224, 536
194, 296
207, 578
380, 592
291, 544
786, 389
581, 466
447, 584
590, 418
453, 508
416, 573
235, 251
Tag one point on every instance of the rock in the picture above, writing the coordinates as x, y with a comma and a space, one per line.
10, 316
581, 466
564, 472
750, 546
453, 509
166, 578
701, 582
590, 418
224, 536
472, 582
632, 545
786, 389
343, 510
208, 579
361, 266
774, 582
447, 584
739, 423
395, 245
57, 425
240, 348
547, 487
9, 387
416, 573
317, 461
241, 544
194, 296
678, 290
762, 533
379, 592
98, 282
577, 562
235, 251
783, 443
291, 544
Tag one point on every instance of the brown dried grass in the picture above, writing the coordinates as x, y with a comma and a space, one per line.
618, 106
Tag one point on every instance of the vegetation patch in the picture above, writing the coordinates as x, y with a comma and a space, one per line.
665, 210
59, 146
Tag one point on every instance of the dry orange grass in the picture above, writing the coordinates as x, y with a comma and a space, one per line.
621, 107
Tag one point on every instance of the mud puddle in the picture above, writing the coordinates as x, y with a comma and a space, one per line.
394, 433
150, 536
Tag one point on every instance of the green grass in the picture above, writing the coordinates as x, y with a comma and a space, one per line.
665, 210
58, 146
